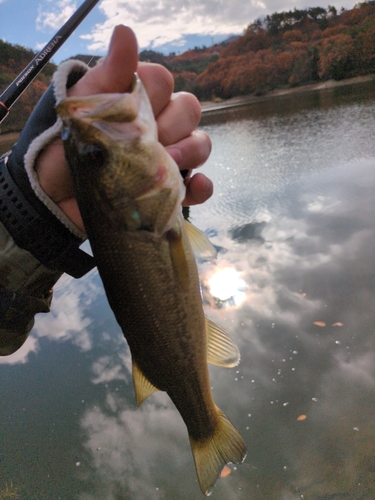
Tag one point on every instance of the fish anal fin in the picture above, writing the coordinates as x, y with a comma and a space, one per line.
142, 386
221, 350
212, 454
201, 245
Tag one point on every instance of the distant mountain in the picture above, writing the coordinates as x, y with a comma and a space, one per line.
186, 66
292, 48
281, 50
284, 49
230, 39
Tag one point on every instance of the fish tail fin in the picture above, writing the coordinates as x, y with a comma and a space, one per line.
213, 453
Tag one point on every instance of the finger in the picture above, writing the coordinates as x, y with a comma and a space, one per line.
198, 189
116, 72
158, 82
184, 111
192, 151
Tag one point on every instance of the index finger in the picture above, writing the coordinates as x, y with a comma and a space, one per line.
116, 71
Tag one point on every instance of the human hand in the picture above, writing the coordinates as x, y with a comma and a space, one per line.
177, 116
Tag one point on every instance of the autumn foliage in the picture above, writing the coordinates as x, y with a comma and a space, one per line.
13, 59
284, 49
290, 49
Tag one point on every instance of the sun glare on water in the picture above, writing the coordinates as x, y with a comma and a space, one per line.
226, 285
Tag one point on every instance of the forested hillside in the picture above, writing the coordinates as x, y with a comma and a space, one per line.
294, 48
187, 66
284, 49
13, 59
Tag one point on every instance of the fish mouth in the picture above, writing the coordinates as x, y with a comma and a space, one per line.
119, 116
101, 107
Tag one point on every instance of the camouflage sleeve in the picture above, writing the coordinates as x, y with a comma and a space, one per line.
25, 290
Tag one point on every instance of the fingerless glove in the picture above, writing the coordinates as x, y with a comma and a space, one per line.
32, 219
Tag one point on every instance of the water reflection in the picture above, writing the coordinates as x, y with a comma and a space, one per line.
127, 446
316, 266
293, 219
226, 285
250, 231
68, 320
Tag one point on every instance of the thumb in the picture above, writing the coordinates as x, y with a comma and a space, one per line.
115, 73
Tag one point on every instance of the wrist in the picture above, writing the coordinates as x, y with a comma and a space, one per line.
32, 218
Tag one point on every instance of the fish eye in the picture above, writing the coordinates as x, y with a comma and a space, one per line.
94, 153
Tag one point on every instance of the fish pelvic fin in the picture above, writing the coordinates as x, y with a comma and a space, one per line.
221, 350
212, 454
142, 386
201, 245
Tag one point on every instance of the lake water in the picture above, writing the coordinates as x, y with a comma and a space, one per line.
293, 218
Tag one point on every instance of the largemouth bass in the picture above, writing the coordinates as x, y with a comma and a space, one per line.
129, 191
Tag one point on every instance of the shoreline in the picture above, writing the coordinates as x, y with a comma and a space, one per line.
209, 106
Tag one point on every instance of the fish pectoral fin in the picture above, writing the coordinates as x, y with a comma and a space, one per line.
159, 205
201, 245
142, 386
212, 454
178, 255
221, 350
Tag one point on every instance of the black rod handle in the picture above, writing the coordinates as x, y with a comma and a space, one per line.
23, 80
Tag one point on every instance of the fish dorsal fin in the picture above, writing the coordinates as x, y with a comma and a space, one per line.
221, 350
211, 454
142, 386
201, 245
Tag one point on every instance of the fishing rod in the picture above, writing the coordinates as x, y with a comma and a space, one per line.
23, 80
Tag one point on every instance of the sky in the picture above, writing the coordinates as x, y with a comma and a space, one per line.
161, 25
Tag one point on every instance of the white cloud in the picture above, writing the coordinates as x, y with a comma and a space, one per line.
125, 447
55, 18
162, 22
41, 45
67, 321
157, 23
22, 355
115, 367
